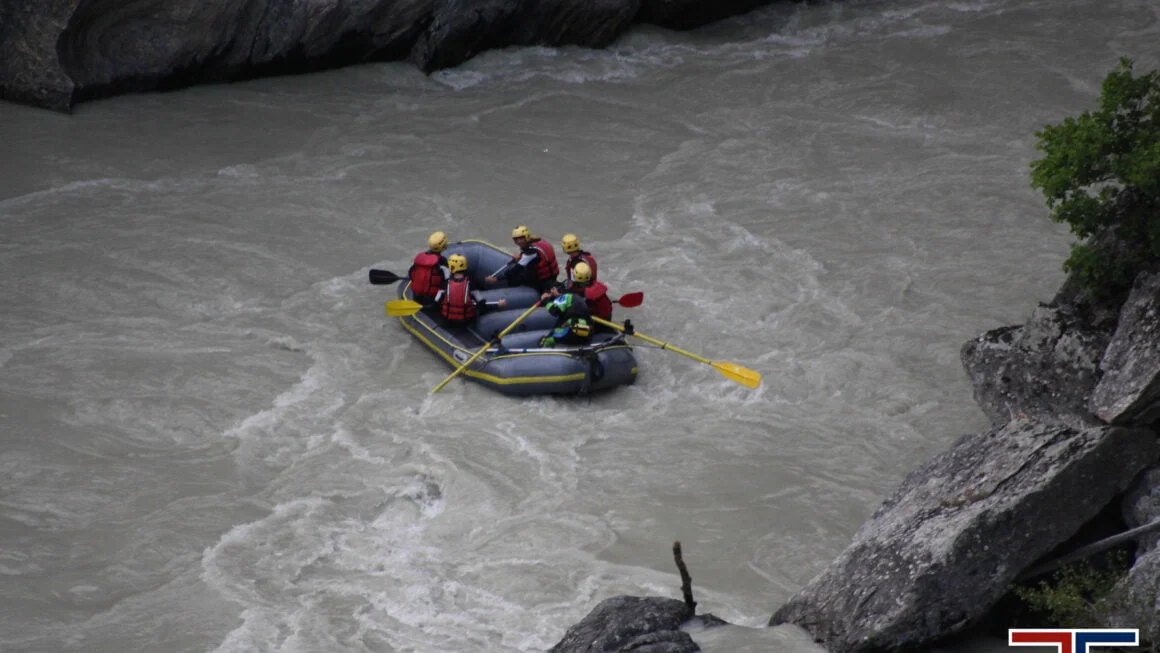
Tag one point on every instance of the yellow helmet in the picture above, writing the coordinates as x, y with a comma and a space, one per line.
570, 243
582, 273
521, 232
457, 263
437, 242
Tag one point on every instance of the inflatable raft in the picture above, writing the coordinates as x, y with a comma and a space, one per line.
518, 365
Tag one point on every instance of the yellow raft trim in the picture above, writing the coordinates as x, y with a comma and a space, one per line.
490, 378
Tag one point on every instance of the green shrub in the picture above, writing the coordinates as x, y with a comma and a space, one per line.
1074, 596
1100, 174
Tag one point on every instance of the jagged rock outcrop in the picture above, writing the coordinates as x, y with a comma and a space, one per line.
686, 14
946, 545
463, 28
54, 53
1129, 390
1046, 369
1133, 602
628, 623
30, 70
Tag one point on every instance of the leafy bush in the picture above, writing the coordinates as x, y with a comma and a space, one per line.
1100, 174
1074, 596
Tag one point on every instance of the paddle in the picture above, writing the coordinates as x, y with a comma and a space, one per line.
402, 307
732, 371
479, 353
631, 300
383, 277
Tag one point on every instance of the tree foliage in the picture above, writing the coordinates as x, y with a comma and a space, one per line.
1100, 174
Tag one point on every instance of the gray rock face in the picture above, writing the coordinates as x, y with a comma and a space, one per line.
628, 623
54, 53
30, 70
1044, 370
1133, 603
1142, 505
1129, 391
945, 546
110, 46
463, 28
686, 14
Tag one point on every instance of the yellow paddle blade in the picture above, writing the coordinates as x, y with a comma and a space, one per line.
743, 375
401, 307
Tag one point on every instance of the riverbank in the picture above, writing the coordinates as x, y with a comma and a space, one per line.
55, 54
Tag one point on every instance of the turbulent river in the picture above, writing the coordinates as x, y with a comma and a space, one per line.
214, 440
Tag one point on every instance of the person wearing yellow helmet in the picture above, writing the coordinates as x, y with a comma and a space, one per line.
429, 271
571, 245
594, 292
458, 303
534, 266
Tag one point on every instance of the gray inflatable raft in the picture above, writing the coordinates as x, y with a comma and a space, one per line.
518, 365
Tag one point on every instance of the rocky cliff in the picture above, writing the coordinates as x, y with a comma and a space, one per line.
54, 53
1074, 398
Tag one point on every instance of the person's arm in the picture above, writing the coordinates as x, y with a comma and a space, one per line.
477, 297
523, 261
502, 272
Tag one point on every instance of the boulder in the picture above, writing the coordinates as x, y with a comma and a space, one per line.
1133, 602
687, 14
54, 53
30, 69
1142, 505
1044, 370
1129, 390
110, 46
631, 623
946, 545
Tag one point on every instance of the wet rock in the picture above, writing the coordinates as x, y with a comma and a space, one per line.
109, 46
945, 546
30, 70
463, 28
624, 624
1133, 602
687, 14
1044, 370
55, 53
1142, 505
1129, 390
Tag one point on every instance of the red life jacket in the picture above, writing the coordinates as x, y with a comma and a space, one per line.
585, 257
545, 265
458, 304
427, 275
598, 302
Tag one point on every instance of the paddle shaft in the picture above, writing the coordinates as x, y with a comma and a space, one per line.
482, 351
732, 371
663, 345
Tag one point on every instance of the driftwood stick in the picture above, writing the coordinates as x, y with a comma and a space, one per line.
686, 580
1089, 550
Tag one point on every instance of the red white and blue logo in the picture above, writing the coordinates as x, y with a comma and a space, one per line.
1080, 640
